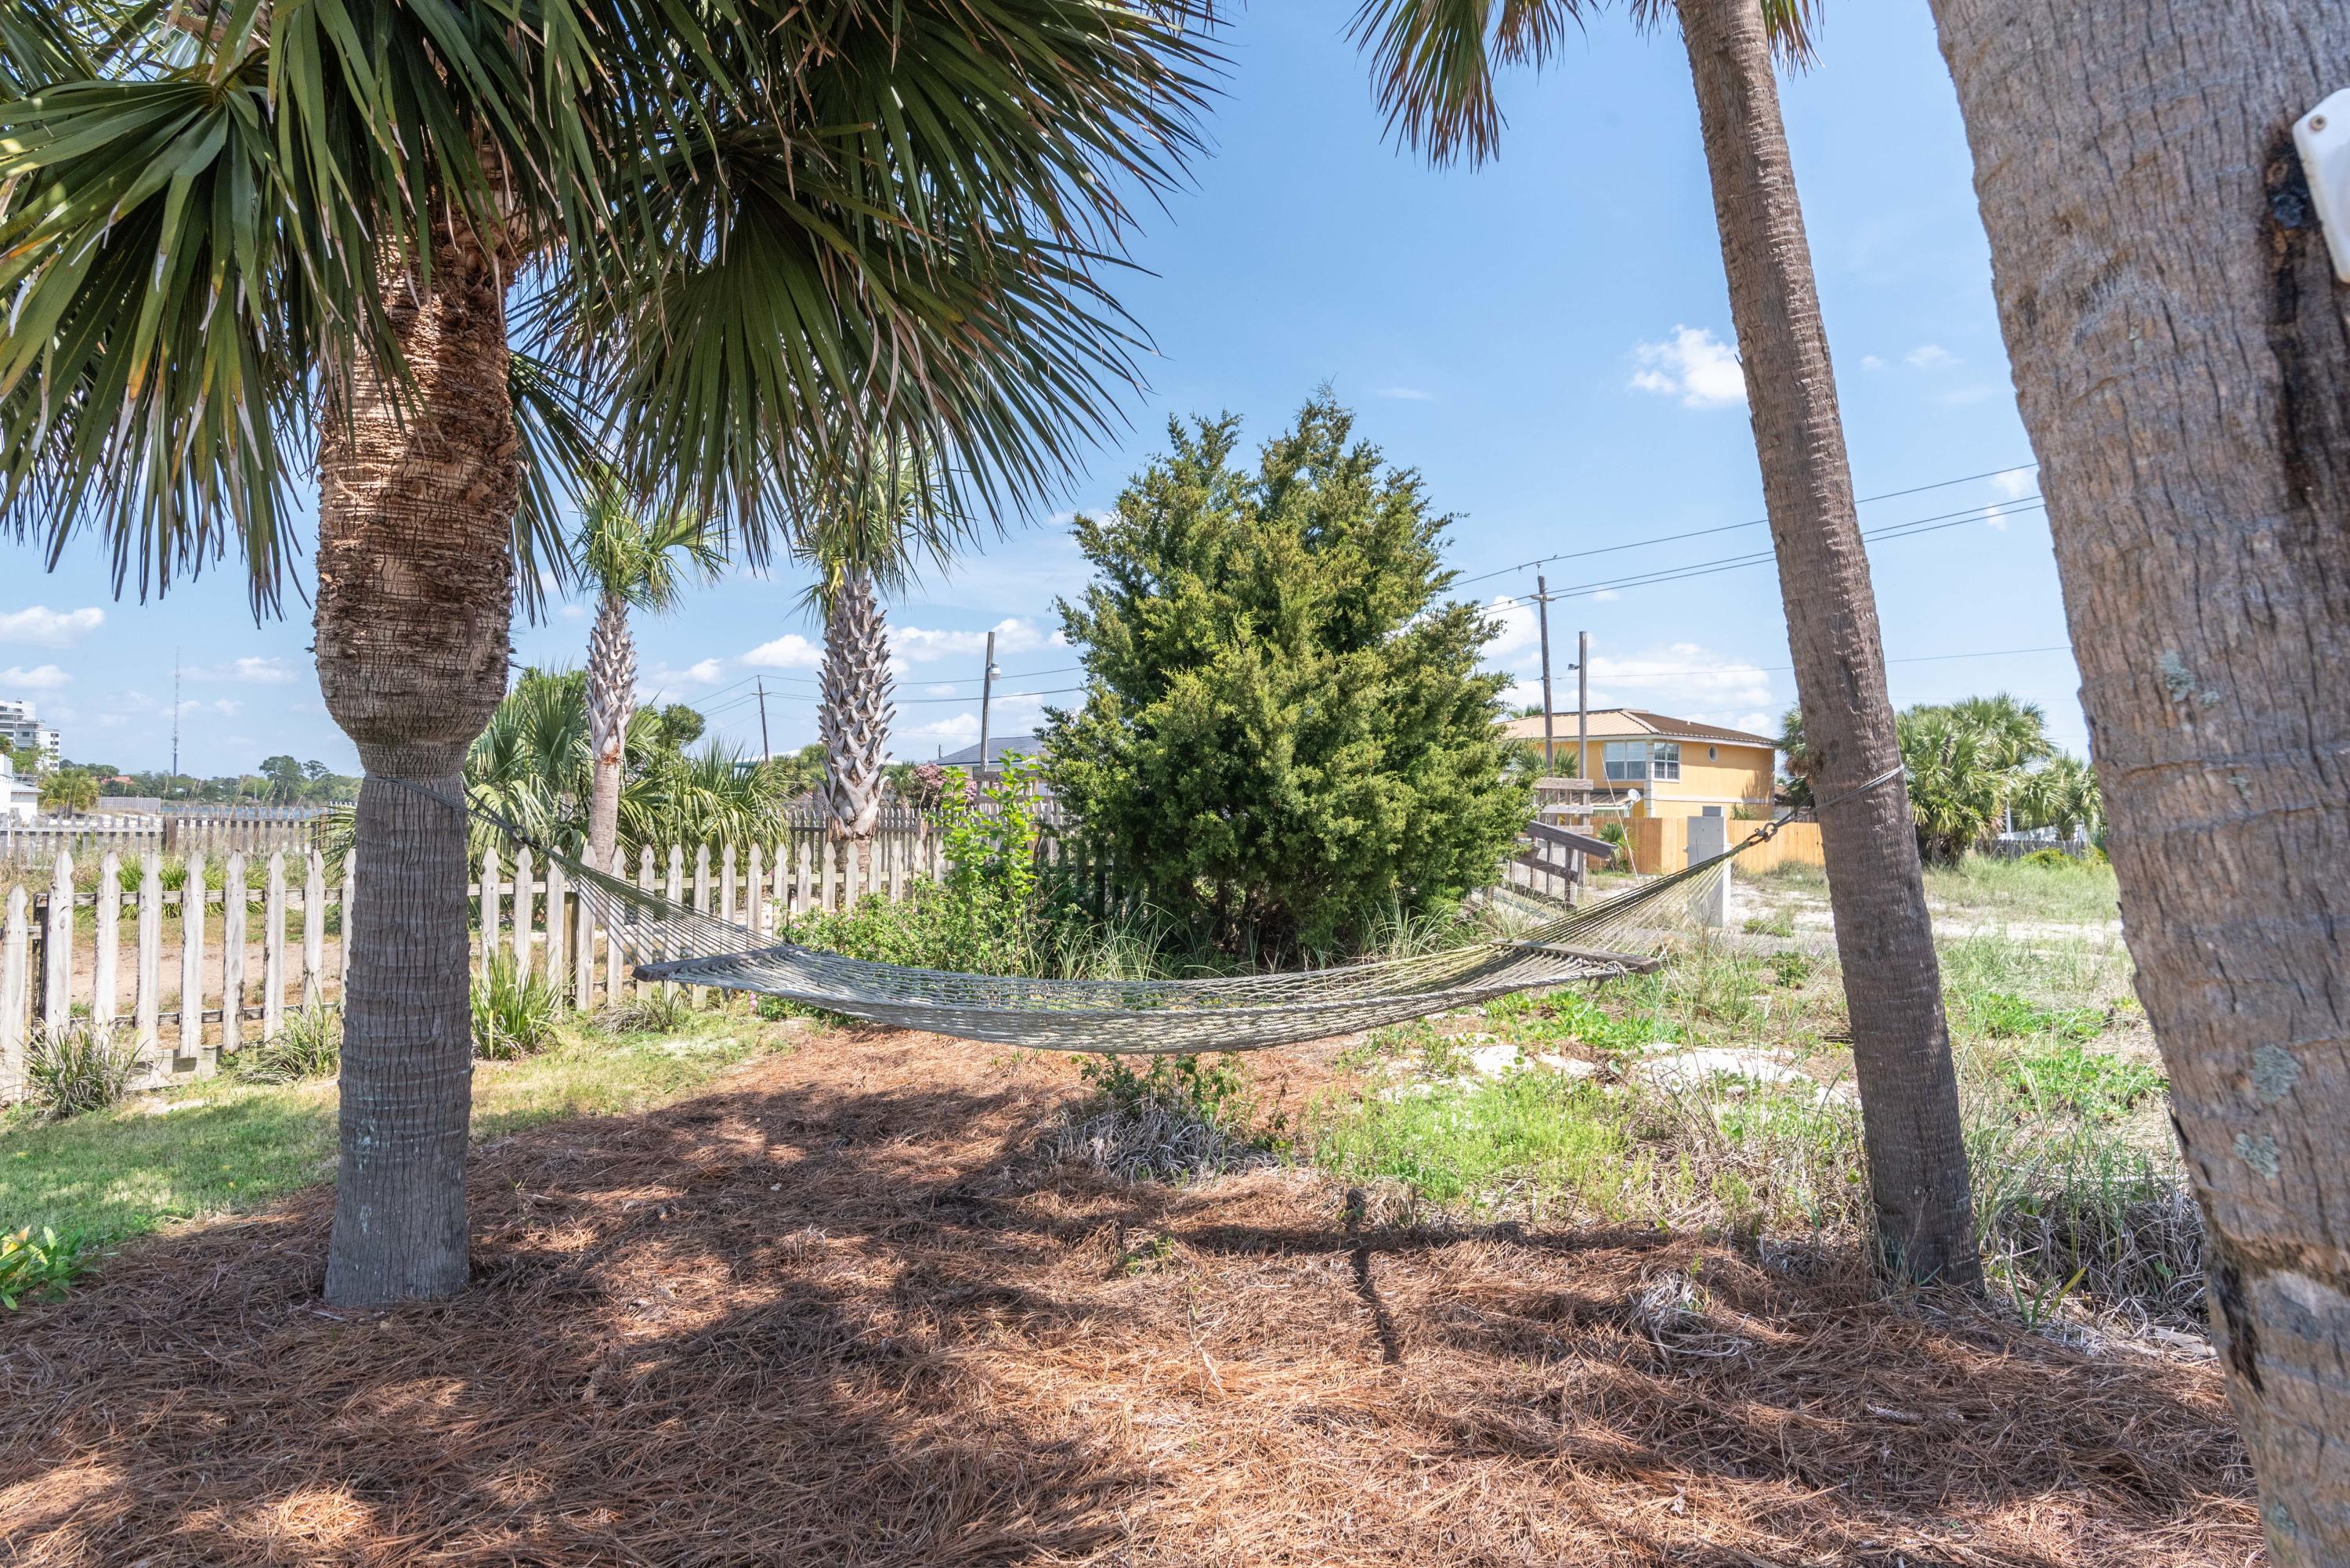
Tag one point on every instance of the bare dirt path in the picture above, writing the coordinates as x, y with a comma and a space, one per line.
835, 1310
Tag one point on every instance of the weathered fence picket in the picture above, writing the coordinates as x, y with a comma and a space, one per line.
192, 984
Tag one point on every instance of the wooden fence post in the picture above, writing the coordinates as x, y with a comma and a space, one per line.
17, 943
56, 947
559, 946
672, 890
757, 913
727, 885
191, 963
644, 880
273, 949
233, 900
523, 902
701, 906
147, 1004
343, 920
103, 988
313, 931
490, 898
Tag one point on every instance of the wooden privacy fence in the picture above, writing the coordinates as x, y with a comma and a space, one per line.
1661, 843
208, 970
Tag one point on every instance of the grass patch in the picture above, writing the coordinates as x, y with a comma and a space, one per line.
2065, 1078
227, 1144
1166, 1119
2075, 892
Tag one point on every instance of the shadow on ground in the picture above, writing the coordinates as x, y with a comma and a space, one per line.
835, 1312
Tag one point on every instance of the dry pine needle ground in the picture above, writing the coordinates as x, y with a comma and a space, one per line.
839, 1311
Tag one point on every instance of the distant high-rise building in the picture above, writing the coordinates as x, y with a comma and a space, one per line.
21, 728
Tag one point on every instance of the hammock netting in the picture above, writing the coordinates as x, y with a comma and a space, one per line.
1626, 934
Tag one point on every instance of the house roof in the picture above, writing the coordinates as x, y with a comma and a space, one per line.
1631, 725
998, 748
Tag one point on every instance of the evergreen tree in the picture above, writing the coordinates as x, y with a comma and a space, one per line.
1286, 737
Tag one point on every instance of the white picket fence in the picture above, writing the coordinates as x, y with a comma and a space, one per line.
204, 982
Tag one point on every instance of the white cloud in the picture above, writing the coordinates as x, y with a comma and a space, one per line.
1757, 724
250, 670
1871, 363
1604, 595
40, 678
1930, 357
944, 689
1407, 394
1520, 634
571, 612
705, 673
1694, 366
2017, 483
789, 652
45, 628
922, 645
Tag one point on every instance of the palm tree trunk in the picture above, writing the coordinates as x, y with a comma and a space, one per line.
1901, 1047
854, 714
2180, 350
611, 702
417, 495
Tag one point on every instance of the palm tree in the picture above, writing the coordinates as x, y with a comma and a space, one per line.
868, 542
445, 257
1435, 63
633, 563
2176, 332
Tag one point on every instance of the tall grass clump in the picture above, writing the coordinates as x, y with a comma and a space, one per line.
513, 1016
80, 1066
308, 1045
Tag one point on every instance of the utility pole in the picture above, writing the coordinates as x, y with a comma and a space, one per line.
175, 722
1542, 615
1583, 705
766, 753
986, 694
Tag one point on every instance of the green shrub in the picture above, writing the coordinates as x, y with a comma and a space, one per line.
36, 1269
1791, 969
1285, 734
83, 1066
2090, 1085
309, 1045
513, 1016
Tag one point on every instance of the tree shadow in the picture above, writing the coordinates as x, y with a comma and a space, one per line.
842, 1312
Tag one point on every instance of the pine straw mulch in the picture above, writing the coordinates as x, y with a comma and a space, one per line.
835, 1310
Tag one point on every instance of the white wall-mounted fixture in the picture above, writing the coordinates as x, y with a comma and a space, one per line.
2322, 137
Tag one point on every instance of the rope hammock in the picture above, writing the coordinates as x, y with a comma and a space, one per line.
667, 941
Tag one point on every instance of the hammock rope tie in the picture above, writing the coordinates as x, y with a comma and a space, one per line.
669, 943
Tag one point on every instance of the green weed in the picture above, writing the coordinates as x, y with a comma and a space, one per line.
38, 1268
2091, 1086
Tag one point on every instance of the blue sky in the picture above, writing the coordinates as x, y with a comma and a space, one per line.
1544, 338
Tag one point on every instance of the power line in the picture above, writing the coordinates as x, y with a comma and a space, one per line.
1728, 527
1761, 557
1780, 669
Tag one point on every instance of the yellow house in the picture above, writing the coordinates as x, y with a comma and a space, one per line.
1678, 766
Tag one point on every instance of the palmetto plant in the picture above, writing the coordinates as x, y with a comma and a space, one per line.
633, 562
534, 764
1435, 62
870, 540
442, 258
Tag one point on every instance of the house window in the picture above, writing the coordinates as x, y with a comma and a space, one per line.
1713, 754
1626, 761
1665, 760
